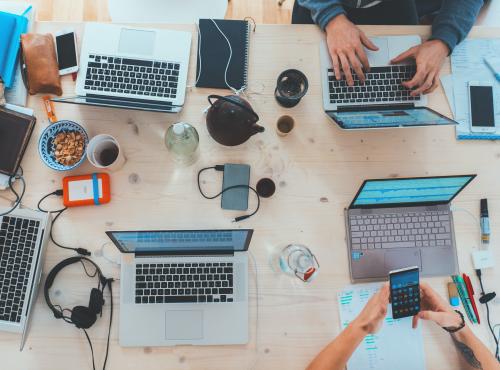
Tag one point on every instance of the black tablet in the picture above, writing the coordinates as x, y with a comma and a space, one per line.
15, 132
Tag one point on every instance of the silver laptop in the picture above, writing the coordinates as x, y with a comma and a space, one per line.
183, 287
133, 68
23, 238
381, 102
395, 223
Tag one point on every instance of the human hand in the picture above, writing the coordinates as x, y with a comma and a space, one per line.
436, 309
372, 316
345, 43
429, 58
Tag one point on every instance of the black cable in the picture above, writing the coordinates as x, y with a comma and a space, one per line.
109, 282
59, 212
221, 168
479, 273
19, 197
91, 348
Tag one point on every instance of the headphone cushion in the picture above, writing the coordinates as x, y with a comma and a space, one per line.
96, 301
82, 317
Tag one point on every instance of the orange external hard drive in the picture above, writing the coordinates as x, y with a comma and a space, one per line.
86, 190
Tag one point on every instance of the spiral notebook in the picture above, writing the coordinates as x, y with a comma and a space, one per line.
214, 53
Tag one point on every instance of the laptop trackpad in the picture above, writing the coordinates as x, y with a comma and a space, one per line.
183, 325
136, 41
402, 258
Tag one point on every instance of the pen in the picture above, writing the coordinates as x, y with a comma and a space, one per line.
485, 222
470, 290
490, 66
462, 292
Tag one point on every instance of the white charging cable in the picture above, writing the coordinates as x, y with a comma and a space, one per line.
476, 221
234, 90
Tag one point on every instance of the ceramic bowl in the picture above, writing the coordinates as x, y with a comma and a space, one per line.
46, 146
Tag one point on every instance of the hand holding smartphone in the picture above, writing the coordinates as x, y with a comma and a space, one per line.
66, 51
405, 292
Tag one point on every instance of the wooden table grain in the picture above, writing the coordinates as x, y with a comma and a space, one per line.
317, 169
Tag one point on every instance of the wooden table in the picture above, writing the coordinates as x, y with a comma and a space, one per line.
317, 170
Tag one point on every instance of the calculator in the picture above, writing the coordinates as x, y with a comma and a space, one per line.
405, 292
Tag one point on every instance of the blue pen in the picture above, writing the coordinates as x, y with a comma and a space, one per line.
490, 66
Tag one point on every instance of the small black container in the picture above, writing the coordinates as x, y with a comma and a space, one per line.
291, 86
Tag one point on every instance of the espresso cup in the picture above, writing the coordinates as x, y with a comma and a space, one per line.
104, 152
285, 125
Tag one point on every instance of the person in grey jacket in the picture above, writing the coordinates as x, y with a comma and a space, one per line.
346, 42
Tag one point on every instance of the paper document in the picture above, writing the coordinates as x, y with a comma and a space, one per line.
395, 344
467, 64
17, 93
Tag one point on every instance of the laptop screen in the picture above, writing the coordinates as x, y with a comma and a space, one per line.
386, 117
179, 241
410, 191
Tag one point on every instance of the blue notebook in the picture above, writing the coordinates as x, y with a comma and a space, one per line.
11, 28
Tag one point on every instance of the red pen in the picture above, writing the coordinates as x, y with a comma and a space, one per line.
470, 291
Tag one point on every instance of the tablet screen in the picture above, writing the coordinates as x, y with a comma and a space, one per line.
14, 129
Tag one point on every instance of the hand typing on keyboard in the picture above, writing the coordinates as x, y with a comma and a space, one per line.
345, 44
429, 57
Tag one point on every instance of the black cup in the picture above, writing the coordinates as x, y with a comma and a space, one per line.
291, 86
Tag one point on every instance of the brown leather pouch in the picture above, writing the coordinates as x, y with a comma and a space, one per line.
41, 68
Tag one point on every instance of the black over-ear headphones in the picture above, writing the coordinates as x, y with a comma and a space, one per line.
83, 317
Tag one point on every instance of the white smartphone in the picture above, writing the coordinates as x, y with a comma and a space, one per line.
66, 51
482, 114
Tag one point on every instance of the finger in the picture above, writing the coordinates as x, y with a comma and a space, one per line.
356, 65
426, 85
367, 42
384, 293
410, 53
336, 67
414, 322
416, 81
347, 69
434, 86
363, 58
437, 317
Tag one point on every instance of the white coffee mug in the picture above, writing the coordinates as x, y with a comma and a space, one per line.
103, 151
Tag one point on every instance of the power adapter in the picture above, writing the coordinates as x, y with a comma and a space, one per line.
483, 259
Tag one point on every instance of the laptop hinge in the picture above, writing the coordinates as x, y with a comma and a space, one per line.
186, 254
361, 108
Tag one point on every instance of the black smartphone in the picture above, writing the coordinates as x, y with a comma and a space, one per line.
405, 292
237, 198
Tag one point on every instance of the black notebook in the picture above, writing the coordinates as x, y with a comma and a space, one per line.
213, 53
15, 132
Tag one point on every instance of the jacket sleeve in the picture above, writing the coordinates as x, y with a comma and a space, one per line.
323, 11
454, 21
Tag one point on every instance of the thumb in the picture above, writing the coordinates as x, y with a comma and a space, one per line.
367, 42
437, 317
404, 55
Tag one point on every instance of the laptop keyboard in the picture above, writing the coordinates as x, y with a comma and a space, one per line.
184, 282
401, 230
132, 76
17, 245
382, 84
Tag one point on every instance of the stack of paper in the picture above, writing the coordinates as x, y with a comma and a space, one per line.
395, 344
467, 64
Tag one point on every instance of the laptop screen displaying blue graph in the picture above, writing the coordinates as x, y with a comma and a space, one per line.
181, 241
417, 190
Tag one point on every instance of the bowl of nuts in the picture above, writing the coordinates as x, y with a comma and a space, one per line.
62, 145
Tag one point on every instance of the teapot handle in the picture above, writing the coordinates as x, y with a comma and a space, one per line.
226, 99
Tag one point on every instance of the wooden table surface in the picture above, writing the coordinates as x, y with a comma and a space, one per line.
317, 169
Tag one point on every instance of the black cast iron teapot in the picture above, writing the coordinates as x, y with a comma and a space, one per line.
231, 120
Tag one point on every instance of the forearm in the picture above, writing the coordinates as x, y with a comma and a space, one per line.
473, 351
335, 355
454, 21
322, 12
